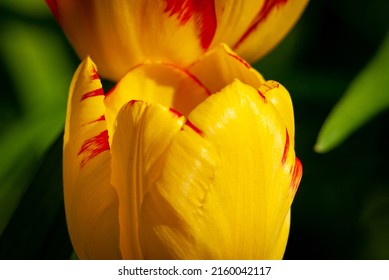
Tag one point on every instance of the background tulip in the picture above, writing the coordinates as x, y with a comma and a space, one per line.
120, 34
173, 164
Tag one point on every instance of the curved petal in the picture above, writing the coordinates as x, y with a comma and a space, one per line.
279, 249
277, 95
225, 66
271, 23
237, 162
172, 210
140, 138
165, 84
91, 202
234, 18
121, 34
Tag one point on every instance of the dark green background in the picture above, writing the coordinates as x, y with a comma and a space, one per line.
341, 210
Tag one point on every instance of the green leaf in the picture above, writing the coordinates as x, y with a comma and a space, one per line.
366, 97
30, 7
40, 71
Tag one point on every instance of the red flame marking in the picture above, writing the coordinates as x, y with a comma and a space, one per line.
241, 60
99, 119
175, 113
93, 147
193, 127
95, 76
268, 6
286, 148
96, 92
203, 12
296, 176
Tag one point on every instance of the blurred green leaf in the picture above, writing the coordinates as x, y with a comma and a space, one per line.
31, 7
367, 96
39, 66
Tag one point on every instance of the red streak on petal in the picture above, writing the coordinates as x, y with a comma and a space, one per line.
264, 88
267, 7
92, 93
99, 119
175, 113
262, 96
286, 148
53, 5
190, 75
193, 127
202, 12
241, 60
95, 76
296, 176
132, 102
93, 147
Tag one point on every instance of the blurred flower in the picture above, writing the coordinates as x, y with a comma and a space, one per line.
123, 33
182, 163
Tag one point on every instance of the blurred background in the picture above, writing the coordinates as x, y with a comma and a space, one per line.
335, 64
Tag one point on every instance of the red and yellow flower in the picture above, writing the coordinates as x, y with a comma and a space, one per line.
119, 34
180, 163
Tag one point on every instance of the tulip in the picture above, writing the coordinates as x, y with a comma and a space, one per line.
121, 34
180, 163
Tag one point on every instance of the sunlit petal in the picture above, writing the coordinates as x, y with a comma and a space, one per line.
228, 66
120, 34
158, 83
91, 202
195, 208
271, 23
141, 136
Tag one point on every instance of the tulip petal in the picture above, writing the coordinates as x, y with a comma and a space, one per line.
165, 84
140, 138
279, 97
90, 200
279, 249
270, 24
173, 207
234, 18
138, 29
225, 192
228, 66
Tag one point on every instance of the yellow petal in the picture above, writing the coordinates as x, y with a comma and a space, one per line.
279, 249
161, 83
140, 138
271, 23
121, 34
90, 200
221, 66
277, 95
172, 210
227, 185
234, 18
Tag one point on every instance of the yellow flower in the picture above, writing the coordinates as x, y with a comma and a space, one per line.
182, 163
119, 34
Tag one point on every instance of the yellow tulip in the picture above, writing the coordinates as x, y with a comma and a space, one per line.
119, 34
180, 163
